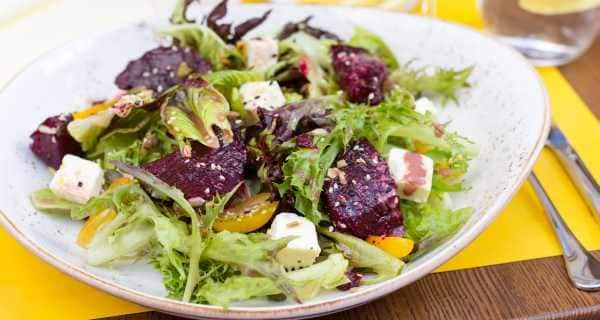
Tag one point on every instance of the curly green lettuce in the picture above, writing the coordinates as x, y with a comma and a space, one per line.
373, 43
439, 82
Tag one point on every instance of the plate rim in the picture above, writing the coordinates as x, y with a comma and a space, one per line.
310, 309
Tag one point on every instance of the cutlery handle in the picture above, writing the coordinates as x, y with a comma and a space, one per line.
581, 176
583, 269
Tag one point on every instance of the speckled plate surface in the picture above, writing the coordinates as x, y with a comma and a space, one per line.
506, 113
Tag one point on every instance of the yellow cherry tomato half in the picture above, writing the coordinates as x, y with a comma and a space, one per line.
421, 148
248, 215
397, 246
122, 181
93, 109
92, 225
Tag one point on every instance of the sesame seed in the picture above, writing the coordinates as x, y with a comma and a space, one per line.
371, 96
80, 184
207, 190
375, 161
222, 178
186, 50
197, 165
172, 74
53, 139
212, 166
146, 74
256, 97
168, 68
336, 204
154, 70
361, 160
353, 181
335, 186
174, 48
238, 121
347, 62
159, 88
202, 164
368, 177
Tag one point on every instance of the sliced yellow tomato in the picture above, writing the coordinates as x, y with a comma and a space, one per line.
421, 148
93, 109
397, 246
92, 225
248, 215
122, 181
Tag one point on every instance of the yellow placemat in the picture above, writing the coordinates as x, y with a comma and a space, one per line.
31, 289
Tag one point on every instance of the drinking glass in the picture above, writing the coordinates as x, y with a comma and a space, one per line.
546, 40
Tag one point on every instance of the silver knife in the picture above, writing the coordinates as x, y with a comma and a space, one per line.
580, 175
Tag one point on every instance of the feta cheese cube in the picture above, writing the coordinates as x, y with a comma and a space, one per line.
303, 250
77, 179
424, 105
260, 53
261, 94
412, 172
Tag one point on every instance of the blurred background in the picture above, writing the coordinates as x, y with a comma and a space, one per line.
548, 32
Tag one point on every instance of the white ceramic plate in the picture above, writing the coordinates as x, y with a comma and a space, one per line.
505, 112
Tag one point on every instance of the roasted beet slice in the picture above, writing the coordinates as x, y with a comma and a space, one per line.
359, 74
159, 68
206, 173
51, 141
360, 194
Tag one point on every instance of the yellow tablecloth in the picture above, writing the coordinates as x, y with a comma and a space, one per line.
31, 289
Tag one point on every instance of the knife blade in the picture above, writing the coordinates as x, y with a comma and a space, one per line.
579, 173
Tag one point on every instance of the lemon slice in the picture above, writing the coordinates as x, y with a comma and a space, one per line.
552, 7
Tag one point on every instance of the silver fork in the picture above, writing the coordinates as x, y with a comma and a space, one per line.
583, 268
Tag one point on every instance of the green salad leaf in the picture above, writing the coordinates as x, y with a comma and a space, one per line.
137, 139
47, 201
138, 223
365, 255
206, 43
373, 43
432, 222
196, 242
87, 130
327, 274
251, 252
236, 288
193, 112
441, 82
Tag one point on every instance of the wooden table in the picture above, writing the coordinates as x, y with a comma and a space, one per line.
536, 289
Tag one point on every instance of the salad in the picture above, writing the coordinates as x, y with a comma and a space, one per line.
271, 167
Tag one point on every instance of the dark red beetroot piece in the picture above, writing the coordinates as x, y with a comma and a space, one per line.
360, 194
157, 68
354, 278
51, 141
206, 173
359, 74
